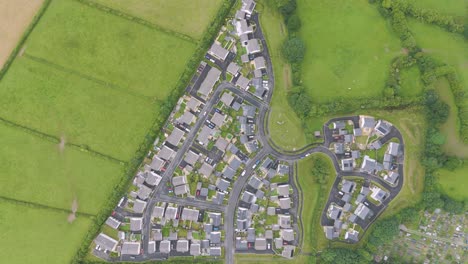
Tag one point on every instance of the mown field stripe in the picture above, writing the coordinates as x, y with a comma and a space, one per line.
87, 77
138, 20
55, 139
42, 206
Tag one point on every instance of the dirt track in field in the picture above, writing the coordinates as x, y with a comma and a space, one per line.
15, 17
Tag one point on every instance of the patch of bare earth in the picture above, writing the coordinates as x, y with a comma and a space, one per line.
62, 144
74, 209
15, 17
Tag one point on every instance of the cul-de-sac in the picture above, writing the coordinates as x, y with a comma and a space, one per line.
233, 131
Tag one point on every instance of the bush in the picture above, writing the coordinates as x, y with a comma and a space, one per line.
300, 101
294, 23
293, 50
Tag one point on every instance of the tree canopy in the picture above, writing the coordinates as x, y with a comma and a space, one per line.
293, 50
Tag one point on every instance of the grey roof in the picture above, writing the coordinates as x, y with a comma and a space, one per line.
130, 248
278, 242
387, 161
166, 153
287, 234
360, 198
365, 190
235, 163
260, 243
271, 210
208, 229
222, 184
283, 190
362, 211
233, 69
182, 245
383, 127
158, 212
258, 74
393, 148
259, 62
219, 52
204, 192
204, 135
242, 82
244, 57
348, 138
339, 148
247, 197
241, 224
136, 223
347, 186
187, 118
334, 212
215, 237
255, 182
229, 173
156, 163
242, 213
357, 132
179, 180
355, 154
248, 6
241, 244
152, 178
215, 218
269, 234
139, 206
251, 146
249, 110
165, 246
171, 213
215, 251
347, 164
143, 192
218, 119
266, 163
284, 221
370, 165
195, 249
193, 103
250, 235
181, 189
347, 207
329, 233
392, 177
285, 203
113, 223
175, 136
260, 194
352, 218
346, 198
375, 145
242, 27
190, 214
211, 78
151, 247
379, 194
205, 243
219, 198
105, 242
191, 157
339, 124
352, 236
366, 122
253, 46
206, 169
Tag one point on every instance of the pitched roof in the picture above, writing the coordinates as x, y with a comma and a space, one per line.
166, 153
191, 157
179, 180
259, 62
143, 192
242, 82
175, 137
229, 173
165, 246
285, 203
287, 234
253, 46
139, 206
187, 118
181, 189
218, 51
218, 119
227, 98
190, 214
158, 212
204, 135
211, 78
215, 251
182, 246
195, 249
105, 242
136, 223
206, 169
193, 103
171, 213
152, 178
130, 248
260, 243
393, 148
283, 190
284, 221
113, 223
222, 184
156, 163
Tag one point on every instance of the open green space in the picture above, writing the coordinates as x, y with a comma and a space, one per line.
82, 111
134, 57
284, 125
411, 84
185, 16
454, 183
451, 7
349, 48
31, 235
38, 171
451, 128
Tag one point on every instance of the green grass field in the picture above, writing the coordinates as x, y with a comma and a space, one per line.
185, 16
31, 235
349, 47
84, 112
134, 57
451, 7
36, 170
411, 84
454, 183
284, 125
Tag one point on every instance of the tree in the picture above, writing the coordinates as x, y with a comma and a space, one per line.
294, 23
300, 101
293, 50
342, 256
453, 163
384, 231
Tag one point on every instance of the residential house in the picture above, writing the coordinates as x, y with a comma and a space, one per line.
139, 206
259, 63
242, 82
287, 234
105, 242
113, 223
182, 246
165, 246
156, 163
283, 190
175, 137
187, 118
362, 211
221, 144
260, 244
166, 153
392, 177
179, 180
206, 169
152, 178
393, 148
190, 214
253, 46
378, 194
352, 236
218, 52
136, 223
248, 6
227, 98
218, 119
222, 184
191, 157
207, 85
131, 248
284, 221
367, 124
382, 128
347, 164
285, 203
370, 165
205, 135
181, 189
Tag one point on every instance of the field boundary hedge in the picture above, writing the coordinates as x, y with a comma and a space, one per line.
155, 131
137, 20
85, 76
23, 39
42, 206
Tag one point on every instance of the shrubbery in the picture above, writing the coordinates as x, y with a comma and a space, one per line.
293, 50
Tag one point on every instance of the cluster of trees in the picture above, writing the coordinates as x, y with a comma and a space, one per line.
321, 169
155, 131
393, 84
300, 101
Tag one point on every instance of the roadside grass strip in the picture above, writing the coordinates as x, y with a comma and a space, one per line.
110, 48
83, 112
31, 235
40, 172
349, 49
183, 18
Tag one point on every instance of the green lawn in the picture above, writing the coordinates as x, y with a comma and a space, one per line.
84, 112
284, 125
452, 7
349, 48
35, 170
39, 236
411, 84
454, 183
132, 56
185, 16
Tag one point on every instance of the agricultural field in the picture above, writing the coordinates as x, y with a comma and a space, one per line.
15, 16
100, 45
28, 237
451, 7
349, 47
38, 171
454, 183
411, 84
284, 125
184, 16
